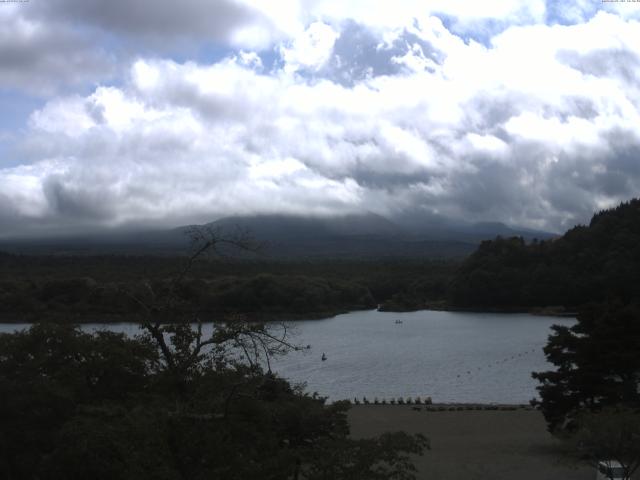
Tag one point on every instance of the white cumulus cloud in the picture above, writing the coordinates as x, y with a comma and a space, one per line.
360, 109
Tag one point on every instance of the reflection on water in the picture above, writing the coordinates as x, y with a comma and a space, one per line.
450, 356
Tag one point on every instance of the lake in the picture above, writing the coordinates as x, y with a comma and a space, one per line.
449, 356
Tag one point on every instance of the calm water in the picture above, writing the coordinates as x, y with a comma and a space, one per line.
450, 356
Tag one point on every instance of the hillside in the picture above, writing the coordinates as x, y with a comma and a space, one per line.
595, 262
353, 236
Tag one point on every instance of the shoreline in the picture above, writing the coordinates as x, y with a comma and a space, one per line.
107, 318
442, 306
110, 318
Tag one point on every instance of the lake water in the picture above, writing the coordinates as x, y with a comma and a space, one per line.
449, 356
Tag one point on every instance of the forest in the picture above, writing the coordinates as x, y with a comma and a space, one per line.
89, 288
589, 263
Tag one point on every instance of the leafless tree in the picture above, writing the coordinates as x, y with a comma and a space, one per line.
179, 336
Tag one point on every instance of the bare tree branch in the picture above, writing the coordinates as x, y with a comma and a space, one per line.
184, 347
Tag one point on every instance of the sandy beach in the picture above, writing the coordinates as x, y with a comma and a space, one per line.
476, 444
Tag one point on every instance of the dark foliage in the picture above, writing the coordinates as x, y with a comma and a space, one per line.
88, 288
75, 405
597, 364
589, 263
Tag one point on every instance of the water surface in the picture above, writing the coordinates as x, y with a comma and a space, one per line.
449, 356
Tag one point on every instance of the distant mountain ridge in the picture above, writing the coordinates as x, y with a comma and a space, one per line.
351, 235
427, 228
270, 227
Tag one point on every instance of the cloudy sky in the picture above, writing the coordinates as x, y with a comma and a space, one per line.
165, 113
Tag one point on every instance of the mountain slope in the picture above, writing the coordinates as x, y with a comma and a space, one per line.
286, 227
588, 263
354, 235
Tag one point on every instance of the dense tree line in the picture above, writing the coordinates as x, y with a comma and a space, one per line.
589, 263
86, 288
263, 294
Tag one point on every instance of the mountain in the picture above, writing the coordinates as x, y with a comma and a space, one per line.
286, 227
588, 263
365, 235
436, 227
353, 235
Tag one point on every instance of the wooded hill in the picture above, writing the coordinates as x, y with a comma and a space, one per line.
596, 262
365, 236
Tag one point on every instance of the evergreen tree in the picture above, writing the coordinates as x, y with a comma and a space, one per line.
597, 364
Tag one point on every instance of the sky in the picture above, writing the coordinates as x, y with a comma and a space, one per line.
158, 113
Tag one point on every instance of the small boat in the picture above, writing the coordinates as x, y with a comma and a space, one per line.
324, 357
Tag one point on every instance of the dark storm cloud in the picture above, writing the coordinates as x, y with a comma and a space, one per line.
492, 192
9, 216
46, 47
388, 180
156, 21
580, 178
78, 202
38, 59
619, 175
